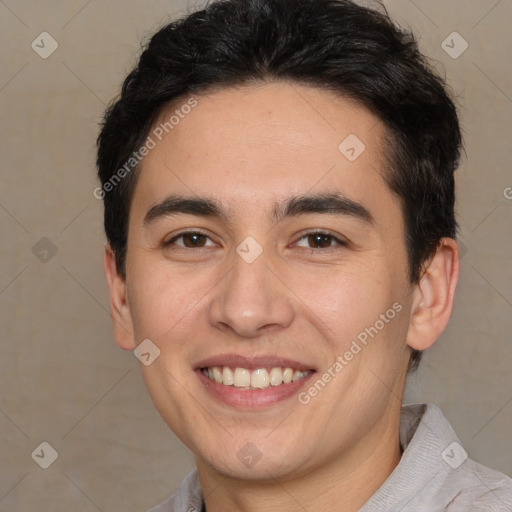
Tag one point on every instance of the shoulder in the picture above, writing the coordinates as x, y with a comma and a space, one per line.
479, 489
435, 473
466, 485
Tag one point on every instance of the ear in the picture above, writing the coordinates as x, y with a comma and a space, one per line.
119, 308
433, 296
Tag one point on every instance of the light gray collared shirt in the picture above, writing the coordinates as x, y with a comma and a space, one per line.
433, 475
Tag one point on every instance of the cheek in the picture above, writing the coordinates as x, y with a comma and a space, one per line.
339, 300
344, 304
163, 300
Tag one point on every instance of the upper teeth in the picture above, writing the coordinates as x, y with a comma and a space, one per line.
260, 378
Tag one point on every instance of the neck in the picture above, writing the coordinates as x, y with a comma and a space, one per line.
344, 483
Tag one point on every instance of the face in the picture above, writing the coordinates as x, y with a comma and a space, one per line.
264, 248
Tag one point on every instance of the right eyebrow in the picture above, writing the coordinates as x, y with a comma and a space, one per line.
175, 204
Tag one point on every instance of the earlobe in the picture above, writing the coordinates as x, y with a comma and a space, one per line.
119, 307
433, 296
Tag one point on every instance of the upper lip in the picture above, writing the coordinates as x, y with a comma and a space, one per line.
252, 362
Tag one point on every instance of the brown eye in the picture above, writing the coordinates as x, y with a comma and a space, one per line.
320, 240
189, 240
194, 239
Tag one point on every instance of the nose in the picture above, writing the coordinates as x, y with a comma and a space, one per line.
251, 300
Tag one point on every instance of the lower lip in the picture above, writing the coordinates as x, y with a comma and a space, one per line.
251, 398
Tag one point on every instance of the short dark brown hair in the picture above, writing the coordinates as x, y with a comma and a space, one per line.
331, 44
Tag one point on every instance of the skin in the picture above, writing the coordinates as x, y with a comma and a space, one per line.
250, 147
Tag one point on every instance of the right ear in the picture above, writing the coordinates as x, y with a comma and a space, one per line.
119, 308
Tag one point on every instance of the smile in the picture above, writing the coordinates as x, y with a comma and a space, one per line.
259, 378
252, 383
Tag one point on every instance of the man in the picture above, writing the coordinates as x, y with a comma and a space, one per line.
278, 185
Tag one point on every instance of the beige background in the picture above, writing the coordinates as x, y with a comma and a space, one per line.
65, 382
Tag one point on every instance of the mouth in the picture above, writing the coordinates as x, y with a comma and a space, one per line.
252, 383
260, 378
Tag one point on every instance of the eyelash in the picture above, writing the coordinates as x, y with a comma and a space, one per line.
339, 242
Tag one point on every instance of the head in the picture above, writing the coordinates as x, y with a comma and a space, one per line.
314, 136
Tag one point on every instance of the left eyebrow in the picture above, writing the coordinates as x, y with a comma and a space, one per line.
334, 204
324, 203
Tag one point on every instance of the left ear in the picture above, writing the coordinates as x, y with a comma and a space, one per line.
433, 296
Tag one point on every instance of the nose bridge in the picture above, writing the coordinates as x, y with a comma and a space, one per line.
251, 299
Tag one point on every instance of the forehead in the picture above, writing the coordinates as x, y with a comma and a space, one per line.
265, 142
291, 119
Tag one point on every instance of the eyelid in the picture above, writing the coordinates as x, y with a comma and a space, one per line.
341, 241
168, 241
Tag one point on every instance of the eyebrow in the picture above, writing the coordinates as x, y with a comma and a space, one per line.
323, 203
